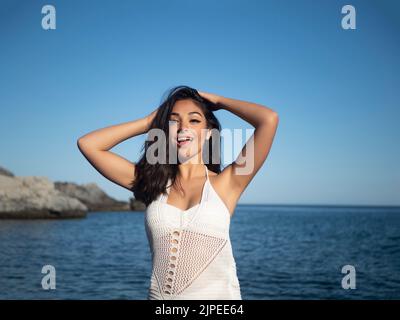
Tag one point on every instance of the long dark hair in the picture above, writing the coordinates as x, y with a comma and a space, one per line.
151, 179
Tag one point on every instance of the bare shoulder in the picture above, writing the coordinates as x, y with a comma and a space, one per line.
222, 185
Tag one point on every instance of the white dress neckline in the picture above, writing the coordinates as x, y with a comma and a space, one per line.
164, 199
188, 215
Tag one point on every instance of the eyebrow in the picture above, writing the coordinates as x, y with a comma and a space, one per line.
177, 114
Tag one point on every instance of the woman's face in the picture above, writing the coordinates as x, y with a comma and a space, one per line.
188, 130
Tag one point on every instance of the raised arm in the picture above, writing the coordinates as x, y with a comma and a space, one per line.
265, 121
95, 147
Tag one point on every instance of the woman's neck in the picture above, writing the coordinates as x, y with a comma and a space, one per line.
190, 171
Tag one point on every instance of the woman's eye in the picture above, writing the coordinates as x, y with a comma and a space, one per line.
193, 120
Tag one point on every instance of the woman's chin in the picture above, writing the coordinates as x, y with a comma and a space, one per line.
185, 153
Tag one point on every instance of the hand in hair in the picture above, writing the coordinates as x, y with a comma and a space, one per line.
212, 100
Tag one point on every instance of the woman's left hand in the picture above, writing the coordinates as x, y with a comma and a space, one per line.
212, 98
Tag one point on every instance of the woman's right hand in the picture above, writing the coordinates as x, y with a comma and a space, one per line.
150, 118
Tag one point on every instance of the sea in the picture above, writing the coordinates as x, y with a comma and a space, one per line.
281, 252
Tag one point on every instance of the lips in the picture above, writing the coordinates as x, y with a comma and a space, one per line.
183, 140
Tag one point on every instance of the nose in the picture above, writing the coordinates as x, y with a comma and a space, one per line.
183, 125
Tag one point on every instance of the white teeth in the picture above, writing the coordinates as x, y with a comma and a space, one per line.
184, 139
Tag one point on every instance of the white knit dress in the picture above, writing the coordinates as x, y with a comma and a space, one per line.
191, 250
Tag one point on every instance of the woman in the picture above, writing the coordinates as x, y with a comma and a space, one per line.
189, 202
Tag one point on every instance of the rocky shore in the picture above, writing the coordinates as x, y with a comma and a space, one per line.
34, 197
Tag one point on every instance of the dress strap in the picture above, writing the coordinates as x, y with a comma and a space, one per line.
206, 186
206, 171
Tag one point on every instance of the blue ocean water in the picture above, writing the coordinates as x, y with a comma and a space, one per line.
281, 252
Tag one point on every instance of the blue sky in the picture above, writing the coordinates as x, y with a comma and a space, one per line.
336, 91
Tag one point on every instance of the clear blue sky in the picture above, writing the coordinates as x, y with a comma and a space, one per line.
336, 91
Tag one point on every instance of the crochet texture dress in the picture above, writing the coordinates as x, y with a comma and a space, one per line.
192, 256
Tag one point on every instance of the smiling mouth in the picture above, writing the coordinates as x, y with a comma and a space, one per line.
183, 141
